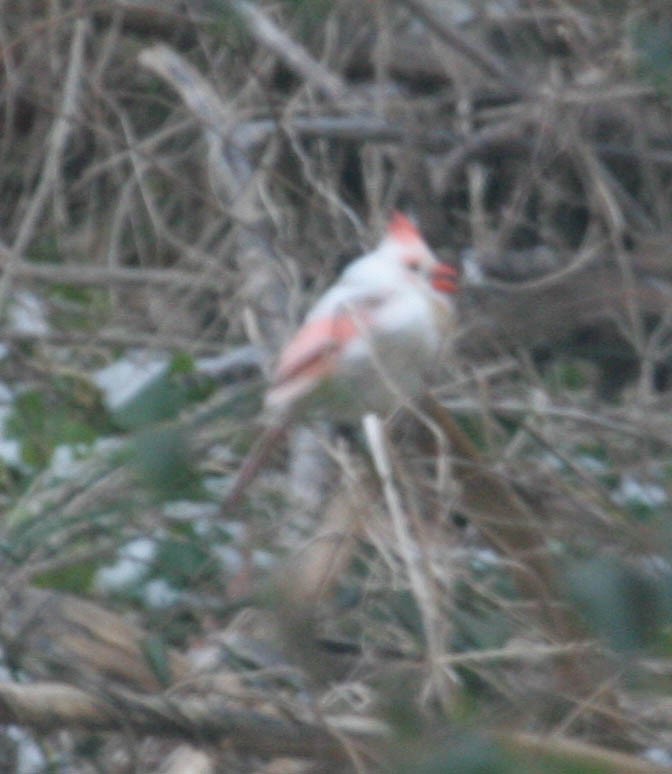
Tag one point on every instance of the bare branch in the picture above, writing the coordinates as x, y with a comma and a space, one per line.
85, 275
61, 130
115, 338
289, 51
485, 61
233, 177
49, 706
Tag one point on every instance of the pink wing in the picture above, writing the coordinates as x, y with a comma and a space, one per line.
313, 354
315, 347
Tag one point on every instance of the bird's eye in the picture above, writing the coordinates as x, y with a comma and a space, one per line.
413, 266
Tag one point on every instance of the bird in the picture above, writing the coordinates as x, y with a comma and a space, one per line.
367, 343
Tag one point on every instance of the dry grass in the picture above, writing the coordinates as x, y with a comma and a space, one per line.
489, 592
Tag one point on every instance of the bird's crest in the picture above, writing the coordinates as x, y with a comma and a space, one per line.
402, 229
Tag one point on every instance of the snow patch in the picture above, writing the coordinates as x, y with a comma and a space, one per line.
229, 558
29, 758
592, 464
472, 273
632, 491
26, 314
264, 560
131, 567
218, 486
158, 593
659, 756
485, 557
247, 356
190, 510
122, 380
10, 449
66, 460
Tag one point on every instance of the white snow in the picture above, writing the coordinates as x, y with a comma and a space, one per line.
64, 461
659, 756
229, 557
472, 273
122, 380
130, 568
68, 460
190, 510
158, 593
10, 450
30, 758
218, 486
244, 357
26, 314
631, 490
591, 464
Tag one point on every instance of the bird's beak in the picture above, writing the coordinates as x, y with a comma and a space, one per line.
443, 278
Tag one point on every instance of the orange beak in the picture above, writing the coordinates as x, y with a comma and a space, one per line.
444, 278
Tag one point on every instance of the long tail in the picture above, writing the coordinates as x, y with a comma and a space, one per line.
254, 462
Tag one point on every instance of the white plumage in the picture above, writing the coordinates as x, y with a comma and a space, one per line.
368, 341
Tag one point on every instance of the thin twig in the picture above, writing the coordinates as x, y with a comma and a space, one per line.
420, 581
113, 338
485, 61
289, 51
512, 408
234, 178
61, 130
505, 520
80, 275
526, 652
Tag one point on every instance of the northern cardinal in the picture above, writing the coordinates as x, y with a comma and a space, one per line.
367, 343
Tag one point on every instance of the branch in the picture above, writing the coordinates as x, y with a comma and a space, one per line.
499, 513
55, 148
49, 706
486, 62
506, 521
580, 756
237, 181
46, 633
84, 274
359, 128
289, 51
112, 338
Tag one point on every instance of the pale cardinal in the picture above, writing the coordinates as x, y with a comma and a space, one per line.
367, 343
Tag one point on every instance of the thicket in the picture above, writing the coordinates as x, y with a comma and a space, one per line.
486, 586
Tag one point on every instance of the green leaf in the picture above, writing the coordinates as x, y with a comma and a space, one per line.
67, 412
76, 578
163, 462
164, 396
156, 652
468, 753
622, 604
182, 363
179, 561
160, 400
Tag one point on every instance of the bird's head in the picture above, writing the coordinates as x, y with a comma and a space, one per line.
419, 263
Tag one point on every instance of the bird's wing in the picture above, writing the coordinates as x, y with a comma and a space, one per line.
314, 351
